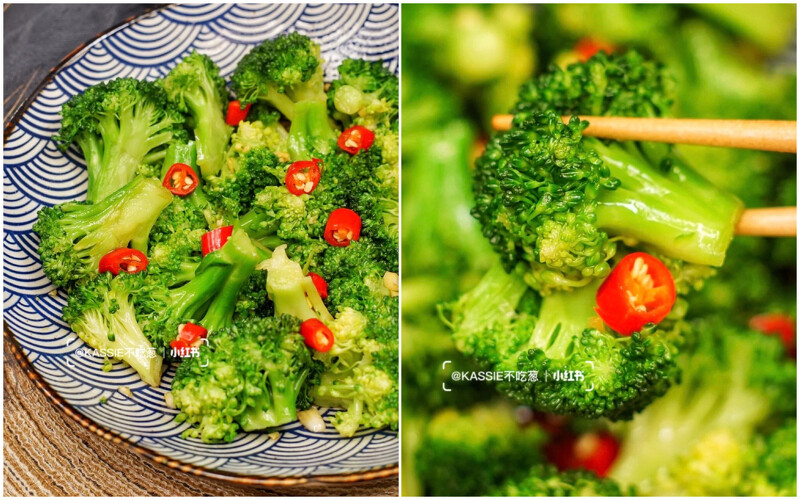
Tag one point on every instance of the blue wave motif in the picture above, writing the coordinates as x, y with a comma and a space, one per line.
38, 174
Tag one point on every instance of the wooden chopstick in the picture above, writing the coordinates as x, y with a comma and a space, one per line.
773, 221
764, 135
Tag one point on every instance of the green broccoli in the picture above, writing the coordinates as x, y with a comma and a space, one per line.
102, 313
195, 87
507, 327
234, 192
696, 439
290, 290
74, 236
365, 94
544, 480
174, 247
287, 73
557, 202
208, 299
467, 454
119, 126
253, 375
362, 368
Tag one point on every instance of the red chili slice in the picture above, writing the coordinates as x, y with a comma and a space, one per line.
317, 335
356, 138
587, 47
181, 179
236, 113
192, 334
595, 452
777, 324
303, 176
215, 239
320, 284
125, 260
638, 291
343, 226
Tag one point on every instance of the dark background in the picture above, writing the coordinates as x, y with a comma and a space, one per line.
37, 37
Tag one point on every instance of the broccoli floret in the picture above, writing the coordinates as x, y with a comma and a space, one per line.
467, 454
101, 312
774, 464
119, 126
276, 216
558, 202
253, 375
74, 236
508, 327
544, 480
365, 94
195, 87
257, 134
287, 73
209, 298
694, 440
233, 192
252, 301
175, 241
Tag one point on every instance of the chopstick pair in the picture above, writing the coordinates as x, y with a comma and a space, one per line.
764, 135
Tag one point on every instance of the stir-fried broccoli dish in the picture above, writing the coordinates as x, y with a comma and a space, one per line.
582, 315
252, 241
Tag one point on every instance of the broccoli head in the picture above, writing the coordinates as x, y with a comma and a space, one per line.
102, 313
544, 480
466, 454
701, 437
118, 126
507, 327
253, 375
74, 236
560, 203
365, 94
195, 87
287, 73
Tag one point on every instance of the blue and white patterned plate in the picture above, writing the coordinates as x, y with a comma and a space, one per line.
36, 173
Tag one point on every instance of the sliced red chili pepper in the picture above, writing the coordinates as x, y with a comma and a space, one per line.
356, 138
778, 324
638, 291
587, 47
343, 226
303, 177
317, 335
125, 260
181, 179
236, 113
215, 239
192, 334
320, 284
595, 452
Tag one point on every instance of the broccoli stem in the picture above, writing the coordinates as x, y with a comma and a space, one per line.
128, 139
562, 317
276, 405
311, 130
679, 213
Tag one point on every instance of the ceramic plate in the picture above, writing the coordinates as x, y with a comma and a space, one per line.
36, 173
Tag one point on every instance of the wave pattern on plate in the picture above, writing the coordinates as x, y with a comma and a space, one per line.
38, 174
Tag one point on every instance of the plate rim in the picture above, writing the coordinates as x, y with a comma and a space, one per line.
114, 436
